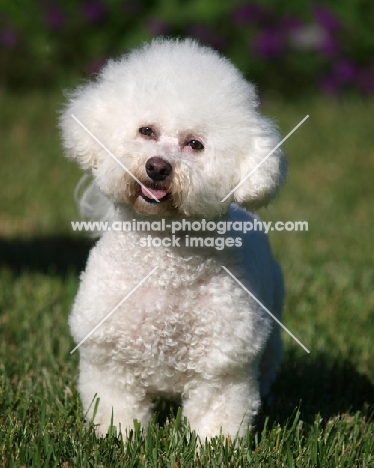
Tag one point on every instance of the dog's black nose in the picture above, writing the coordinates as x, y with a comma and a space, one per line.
157, 168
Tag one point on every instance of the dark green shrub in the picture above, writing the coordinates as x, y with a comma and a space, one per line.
290, 47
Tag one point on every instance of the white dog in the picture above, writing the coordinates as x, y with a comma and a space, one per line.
174, 129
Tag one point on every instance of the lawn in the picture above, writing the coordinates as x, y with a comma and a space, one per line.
321, 413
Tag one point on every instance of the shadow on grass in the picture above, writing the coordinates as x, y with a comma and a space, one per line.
313, 385
317, 385
55, 254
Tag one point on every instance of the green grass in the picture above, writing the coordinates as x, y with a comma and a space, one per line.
322, 411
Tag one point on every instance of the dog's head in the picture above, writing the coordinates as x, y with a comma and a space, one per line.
172, 129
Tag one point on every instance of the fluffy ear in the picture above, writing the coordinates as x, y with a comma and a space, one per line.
262, 174
79, 145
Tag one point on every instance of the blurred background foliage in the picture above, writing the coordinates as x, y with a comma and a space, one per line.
288, 47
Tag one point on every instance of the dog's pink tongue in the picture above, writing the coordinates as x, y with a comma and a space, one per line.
156, 193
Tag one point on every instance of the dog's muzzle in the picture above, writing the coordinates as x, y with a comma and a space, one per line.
158, 170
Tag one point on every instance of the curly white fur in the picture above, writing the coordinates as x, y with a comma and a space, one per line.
191, 331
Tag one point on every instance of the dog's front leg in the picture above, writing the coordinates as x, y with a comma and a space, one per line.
222, 406
119, 403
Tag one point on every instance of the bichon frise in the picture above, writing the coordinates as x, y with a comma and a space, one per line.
168, 132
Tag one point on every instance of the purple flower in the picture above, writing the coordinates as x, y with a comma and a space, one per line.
94, 11
345, 71
156, 27
268, 44
325, 18
54, 17
329, 47
8, 38
290, 24
249, 14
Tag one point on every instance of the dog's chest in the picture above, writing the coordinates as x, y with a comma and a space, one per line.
164, 337
178, 320
188, 317
165, 320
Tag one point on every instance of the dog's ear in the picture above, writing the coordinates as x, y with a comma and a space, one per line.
260, 173
84, 104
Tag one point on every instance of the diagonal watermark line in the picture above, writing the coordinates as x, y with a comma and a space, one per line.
114, 157
266, 310
263, 160
113, 310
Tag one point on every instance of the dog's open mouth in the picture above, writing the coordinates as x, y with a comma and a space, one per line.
159, 194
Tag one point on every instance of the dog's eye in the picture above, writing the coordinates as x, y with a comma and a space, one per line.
196, 145
147, 131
